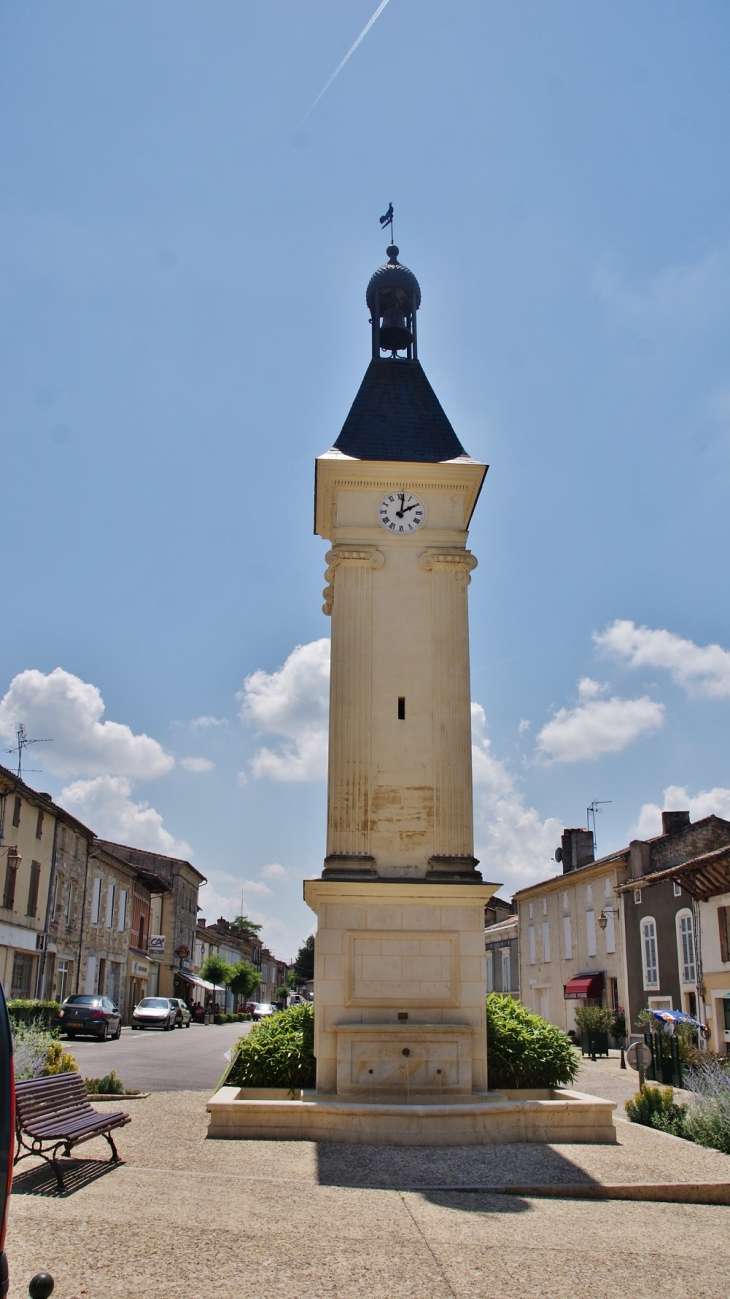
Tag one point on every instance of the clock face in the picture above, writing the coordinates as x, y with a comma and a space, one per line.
401, 512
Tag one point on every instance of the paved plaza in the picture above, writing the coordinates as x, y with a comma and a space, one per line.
288, 1220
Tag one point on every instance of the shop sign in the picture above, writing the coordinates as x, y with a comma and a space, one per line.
139, 968
156, 946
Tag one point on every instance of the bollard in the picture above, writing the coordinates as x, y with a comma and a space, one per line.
41, 1286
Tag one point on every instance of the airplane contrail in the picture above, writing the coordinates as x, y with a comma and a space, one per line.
341, 65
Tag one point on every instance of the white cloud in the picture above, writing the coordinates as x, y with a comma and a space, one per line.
69, 710
197, 764
221, 896
512, 842
523, 726
676, 799
275, 872
292, 702
701, 670
679, 298
204, 723
105, 805
597, 726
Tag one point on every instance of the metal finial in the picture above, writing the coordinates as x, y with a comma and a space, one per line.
392, 252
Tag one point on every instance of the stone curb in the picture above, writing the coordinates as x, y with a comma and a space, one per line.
665, 1192
117, 1096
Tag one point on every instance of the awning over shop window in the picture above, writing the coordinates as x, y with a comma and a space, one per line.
584, 986
199, 983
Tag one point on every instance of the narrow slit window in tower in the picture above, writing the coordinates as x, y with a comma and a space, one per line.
401, 708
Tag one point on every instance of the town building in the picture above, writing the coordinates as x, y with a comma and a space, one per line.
571, 948
174, 883
501, 943
676, 912
28, 835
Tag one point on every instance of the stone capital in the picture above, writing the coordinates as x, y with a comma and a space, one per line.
360, 556
460, 562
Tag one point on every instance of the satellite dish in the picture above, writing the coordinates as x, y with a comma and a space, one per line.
558, 854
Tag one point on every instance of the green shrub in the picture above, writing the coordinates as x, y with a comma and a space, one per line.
110, 1085
28, 1010
58, 1060
524, 1050
31, 1045
654, 1107
594, 1019
278, 1052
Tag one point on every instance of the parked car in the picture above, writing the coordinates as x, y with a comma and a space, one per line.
263, 1008
155, 1012
184, 1014
297, 999
91, 1015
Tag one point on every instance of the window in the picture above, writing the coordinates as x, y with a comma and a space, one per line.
529, 910
11, 872
591, 932
649, 953
610, 931
35, 879
637, 897
22, 975
506, 971
490, 972
70, 904
39, 825
613, 994
91, 974
565, 900
122, 915
114, 981
16, 811
722, 920
401, 708
686, 944
589, 893
101, 976
54, 898
545, 940
62, 979
141, 934
111, 890
544, 906
567, 939
607, 889
531, 942
96, 900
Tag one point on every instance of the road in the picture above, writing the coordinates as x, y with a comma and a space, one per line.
188, 1059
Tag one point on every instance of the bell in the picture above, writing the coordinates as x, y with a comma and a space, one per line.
394, 332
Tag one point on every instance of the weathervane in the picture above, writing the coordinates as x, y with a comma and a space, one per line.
387, 220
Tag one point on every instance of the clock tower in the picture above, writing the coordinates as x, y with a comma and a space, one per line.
400, 900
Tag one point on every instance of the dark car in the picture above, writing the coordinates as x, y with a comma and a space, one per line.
92, 1015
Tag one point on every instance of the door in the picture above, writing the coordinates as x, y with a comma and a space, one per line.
545, 1003
22, 975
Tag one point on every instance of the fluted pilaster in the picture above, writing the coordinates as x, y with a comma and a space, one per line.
349, 599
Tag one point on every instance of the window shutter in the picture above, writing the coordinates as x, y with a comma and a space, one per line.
96, 901
724, 945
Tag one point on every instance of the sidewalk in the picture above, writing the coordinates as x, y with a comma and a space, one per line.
288, 1220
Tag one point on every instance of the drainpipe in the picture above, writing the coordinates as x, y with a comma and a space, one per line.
42, 962
89, 855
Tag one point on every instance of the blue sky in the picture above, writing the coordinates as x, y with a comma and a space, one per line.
183, 329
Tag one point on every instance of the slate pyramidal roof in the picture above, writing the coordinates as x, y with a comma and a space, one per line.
396, 415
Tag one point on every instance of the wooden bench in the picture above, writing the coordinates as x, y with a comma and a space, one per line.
55, 1113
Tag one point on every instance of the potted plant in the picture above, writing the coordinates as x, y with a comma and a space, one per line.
595, 1023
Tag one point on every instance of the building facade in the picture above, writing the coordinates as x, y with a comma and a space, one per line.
501, 943
28, 830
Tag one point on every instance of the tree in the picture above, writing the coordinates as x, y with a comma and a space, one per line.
246, 926
243, 979
216, 971
304, 964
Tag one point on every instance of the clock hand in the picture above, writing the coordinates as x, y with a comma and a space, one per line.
399, 513
406, 508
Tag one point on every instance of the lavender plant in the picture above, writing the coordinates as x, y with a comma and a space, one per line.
708, 1118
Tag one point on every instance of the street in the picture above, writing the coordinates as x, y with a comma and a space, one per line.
187, 1059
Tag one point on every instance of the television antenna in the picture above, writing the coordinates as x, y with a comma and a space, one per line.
591, 810
23, 742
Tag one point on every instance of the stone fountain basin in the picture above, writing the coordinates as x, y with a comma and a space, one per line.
488, 1118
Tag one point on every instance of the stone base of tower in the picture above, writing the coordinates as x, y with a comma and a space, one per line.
400, 1032
399, 988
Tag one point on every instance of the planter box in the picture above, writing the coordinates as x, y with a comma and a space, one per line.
594, 1043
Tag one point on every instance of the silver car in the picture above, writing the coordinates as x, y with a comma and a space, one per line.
184, 1013
154, 1012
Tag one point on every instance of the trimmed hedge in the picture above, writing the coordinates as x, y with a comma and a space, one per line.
524, 1050
28, 1010
278, 1052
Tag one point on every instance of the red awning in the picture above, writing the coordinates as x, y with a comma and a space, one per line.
585, 985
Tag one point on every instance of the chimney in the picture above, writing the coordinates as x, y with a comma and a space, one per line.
673, 822
202, 922
576, 849
639, 858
